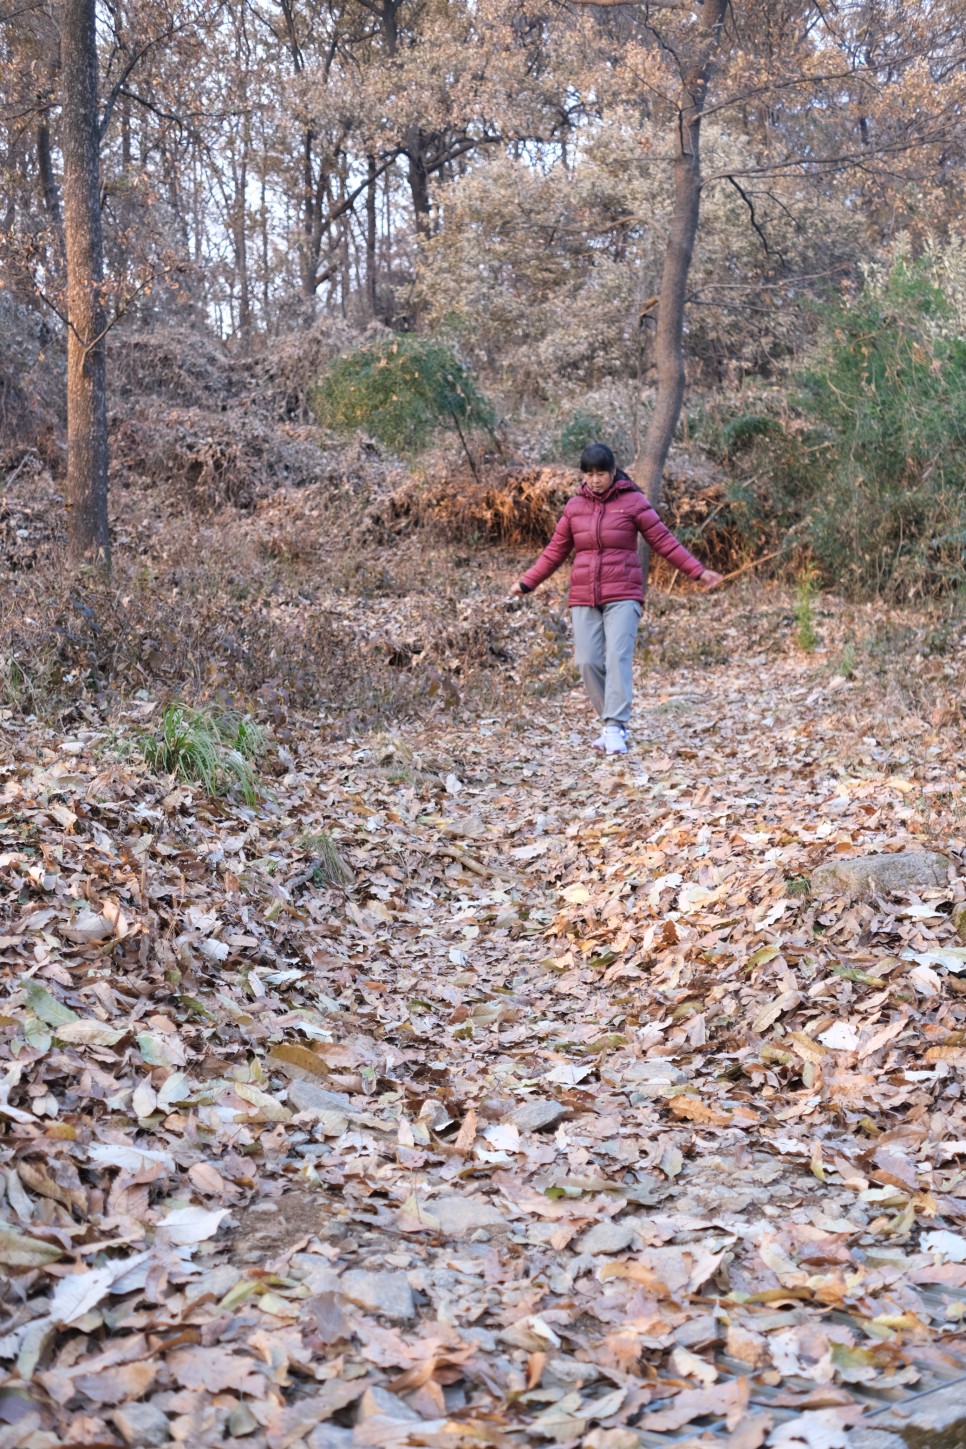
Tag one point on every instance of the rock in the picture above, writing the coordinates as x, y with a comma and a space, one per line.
959, 921
609, 1237
328, 1436
612, 1439
380, 1403
242, 1422
653, 1077
875, 1439
385, 1293
934, 1420
308, 1097
141, 1423
459, 1215
537, 1115
864, 875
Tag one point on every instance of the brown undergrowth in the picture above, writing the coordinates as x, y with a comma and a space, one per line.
519, 504
304, 604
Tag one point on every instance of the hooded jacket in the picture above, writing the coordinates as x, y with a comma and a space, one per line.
601, 532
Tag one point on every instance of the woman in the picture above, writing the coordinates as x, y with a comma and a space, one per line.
600, 525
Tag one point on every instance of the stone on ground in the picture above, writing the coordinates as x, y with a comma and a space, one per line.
537, 1115
142, 1424
865, 875
385, 1293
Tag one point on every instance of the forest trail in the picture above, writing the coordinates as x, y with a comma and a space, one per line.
572, 1119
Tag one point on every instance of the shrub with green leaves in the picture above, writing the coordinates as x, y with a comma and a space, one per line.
215, 751
887, 396
401, 391
581, 427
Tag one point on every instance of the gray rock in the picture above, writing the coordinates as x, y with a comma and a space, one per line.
654, 1077
959, 922
242, 1422
865, 875
328, 1436
385, 1293
308, 1097
141, 1423
537, 1115
875, 1439
609, 1237
380, 1402
459, 1215
934, 1420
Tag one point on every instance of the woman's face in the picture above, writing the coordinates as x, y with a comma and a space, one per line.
598, 480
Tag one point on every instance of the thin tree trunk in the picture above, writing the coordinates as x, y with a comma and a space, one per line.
45, 167
669, 337
371, 235
86, 353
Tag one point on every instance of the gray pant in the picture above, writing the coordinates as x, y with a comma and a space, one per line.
604, 655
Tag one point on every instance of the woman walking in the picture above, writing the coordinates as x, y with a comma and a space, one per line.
600, 525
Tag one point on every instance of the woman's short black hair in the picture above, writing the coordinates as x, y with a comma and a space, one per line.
597, 458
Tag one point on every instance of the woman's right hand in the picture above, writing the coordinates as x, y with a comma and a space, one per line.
514, 590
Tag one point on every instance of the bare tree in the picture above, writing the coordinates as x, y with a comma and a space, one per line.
86, 354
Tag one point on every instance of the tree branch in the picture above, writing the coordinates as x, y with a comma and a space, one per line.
754, 220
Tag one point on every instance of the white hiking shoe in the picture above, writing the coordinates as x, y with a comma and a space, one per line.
615, 739
600, 743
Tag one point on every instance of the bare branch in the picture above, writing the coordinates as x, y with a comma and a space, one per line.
754, 219
648, 4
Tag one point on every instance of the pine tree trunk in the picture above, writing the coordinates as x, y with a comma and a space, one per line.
669, 339
86, 353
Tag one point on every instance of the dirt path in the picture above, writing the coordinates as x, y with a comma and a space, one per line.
574, 1119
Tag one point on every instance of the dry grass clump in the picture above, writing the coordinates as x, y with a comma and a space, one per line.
212, 459
171, 363
520, 506
223, 428
516, 505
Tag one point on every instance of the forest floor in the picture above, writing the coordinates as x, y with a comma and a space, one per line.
566, 1114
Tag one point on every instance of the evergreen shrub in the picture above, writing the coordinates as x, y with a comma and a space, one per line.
863, 473
887, 513
401, 391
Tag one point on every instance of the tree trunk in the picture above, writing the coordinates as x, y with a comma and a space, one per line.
418, 180
669, 338
86, 359
371, 235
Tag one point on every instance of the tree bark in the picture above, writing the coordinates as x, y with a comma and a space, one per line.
86, 353
669, 338
371, 237
418, 179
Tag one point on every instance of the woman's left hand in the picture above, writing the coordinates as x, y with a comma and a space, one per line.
710, 580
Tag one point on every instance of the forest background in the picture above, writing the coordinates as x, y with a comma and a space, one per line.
513, 191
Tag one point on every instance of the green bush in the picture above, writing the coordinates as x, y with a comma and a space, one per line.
401, 391
887, 471
580, 428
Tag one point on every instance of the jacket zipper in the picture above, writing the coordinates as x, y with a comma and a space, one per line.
600, 555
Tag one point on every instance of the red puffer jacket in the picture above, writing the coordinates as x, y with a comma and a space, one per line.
602, 532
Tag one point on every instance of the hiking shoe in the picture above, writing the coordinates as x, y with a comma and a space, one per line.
600, 743
615, 739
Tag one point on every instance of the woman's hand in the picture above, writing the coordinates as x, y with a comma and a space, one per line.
514, 589
710, 580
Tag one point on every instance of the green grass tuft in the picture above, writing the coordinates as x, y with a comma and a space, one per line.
329, 867
213, 750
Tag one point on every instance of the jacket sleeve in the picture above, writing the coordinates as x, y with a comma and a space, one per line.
557, 551
662, 541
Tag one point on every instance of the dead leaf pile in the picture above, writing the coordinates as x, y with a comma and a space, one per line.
569, 1117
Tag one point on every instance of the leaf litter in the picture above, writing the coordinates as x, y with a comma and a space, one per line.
563, 1114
